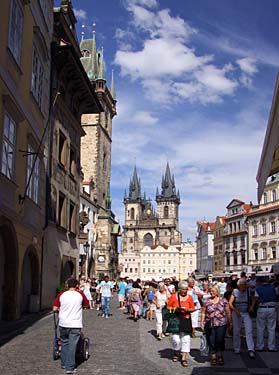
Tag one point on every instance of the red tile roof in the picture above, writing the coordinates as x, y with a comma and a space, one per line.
206, 225
153, 247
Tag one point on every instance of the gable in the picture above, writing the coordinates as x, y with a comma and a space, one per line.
234, 203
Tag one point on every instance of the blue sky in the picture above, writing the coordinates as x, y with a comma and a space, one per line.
194, 85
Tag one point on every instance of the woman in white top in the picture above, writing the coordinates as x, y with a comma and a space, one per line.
86, 291
160, 300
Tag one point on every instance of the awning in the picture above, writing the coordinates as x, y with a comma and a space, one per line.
269, 162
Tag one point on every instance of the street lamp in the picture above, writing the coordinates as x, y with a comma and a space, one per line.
86, 247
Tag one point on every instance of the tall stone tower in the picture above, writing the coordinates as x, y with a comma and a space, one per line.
96, 157
133, 203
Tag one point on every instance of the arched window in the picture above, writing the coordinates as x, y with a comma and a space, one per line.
265, 198
148, 239
274, 195
166, 212
132, 213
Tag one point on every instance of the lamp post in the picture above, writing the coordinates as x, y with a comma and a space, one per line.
86, 247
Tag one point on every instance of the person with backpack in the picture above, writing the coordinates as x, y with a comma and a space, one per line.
149, 295
135, 299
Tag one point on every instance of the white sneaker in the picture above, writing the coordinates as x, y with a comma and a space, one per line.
103, 315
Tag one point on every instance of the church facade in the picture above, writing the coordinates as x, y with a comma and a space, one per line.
146, 227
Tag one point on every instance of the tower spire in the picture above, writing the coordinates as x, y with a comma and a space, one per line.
94, 54
135, 189
112, 85
101, 73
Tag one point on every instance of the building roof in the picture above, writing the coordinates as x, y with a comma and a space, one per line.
153, 247
207, 227
262, 210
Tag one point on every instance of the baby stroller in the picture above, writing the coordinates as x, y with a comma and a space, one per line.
83, 346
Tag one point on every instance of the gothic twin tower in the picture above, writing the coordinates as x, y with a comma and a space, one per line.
143, 225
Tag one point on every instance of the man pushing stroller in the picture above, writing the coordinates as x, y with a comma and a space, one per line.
69, 304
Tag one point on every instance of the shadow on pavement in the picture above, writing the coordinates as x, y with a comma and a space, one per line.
196, 355
153, 332
13, 328
166, 353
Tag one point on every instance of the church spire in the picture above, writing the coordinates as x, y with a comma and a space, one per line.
168, 187
101, 73
94, 55
112, 86
135, 188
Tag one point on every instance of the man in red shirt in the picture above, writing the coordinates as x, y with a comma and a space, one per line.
69, 304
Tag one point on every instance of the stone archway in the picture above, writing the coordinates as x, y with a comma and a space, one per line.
30, 281
8, 270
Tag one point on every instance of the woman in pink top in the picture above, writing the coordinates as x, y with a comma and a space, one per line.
215, 316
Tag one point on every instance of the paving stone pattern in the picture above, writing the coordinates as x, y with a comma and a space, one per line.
119, 346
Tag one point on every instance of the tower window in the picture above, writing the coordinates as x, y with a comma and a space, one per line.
132, 213
166, 212
104, 161
148, 239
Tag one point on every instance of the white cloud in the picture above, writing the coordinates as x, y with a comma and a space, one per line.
80, 14
169, 69
146, 3
248, 68
247, 65
159, 58
144, 118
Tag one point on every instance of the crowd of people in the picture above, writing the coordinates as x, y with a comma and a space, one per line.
218, 308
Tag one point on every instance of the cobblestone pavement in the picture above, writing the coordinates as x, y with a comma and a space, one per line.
120, 346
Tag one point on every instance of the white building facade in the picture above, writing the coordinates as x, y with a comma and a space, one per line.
236, 237
205, 247
263, 229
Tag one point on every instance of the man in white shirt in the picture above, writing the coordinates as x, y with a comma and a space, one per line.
105, 288
69, 304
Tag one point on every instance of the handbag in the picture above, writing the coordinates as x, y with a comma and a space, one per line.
177, 323
173, 323
208, 325
252, 312
165, 313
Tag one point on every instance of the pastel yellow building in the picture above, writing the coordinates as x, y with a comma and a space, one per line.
26, 30
218, 240
161, 261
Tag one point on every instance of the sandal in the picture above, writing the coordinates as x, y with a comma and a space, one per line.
175, 357
184, 363
221, 361
213, 361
